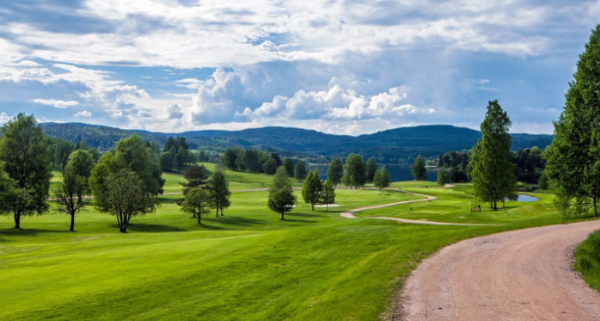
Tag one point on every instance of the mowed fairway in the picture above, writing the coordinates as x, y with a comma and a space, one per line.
248, 265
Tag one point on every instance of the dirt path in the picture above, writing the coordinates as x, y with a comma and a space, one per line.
518, 275
350, 213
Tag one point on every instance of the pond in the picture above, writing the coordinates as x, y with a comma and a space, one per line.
398, 172
524, 198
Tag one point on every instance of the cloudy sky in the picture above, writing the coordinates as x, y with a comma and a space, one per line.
337, 66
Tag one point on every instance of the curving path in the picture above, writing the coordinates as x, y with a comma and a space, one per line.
350, 213
519, 275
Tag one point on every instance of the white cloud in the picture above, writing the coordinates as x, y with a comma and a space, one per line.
56, 103
83, 113
175, 111
4, 118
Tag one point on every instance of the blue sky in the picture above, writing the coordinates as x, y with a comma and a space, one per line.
346, 67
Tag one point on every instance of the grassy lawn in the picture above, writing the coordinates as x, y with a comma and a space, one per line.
587, 260
248, 265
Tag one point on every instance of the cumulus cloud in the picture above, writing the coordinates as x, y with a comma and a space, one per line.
4, 118
175, 111
56, 103
83, 113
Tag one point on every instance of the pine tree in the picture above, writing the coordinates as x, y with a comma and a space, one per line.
419, 170
573, 159
371, 169
492, 173
328, 195
312, 188
442, 177
300, 171
382, 178
219, 191
281, 194
335, 171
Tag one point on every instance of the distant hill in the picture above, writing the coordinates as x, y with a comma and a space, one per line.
394, 145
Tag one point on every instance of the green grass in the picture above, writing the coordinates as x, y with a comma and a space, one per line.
587, 260
248, 265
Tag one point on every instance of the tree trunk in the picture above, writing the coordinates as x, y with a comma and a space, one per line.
18, 221
199, 219
313, 206
217, 212
282, 216
72, 228
222, 212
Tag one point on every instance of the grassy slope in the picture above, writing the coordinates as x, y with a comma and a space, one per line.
587, 261
248, 265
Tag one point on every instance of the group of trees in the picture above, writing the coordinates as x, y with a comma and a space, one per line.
573, 159
251, 160
203, 194
176, 154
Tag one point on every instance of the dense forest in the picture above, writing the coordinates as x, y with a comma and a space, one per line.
400, 145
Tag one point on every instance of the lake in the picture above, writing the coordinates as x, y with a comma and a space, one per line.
398, 172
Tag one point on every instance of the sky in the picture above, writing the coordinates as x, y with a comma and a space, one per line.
336, 66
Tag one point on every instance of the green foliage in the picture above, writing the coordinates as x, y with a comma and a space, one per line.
355, 174
543, 181
281, 194
288, 163
198, 202
270, 166
382, 179
418, 169
82, 163
587, 260
251, 160
25, 154
133, 154
335, 171
196, 176
492, 173
312, 188
62, 150
70, 194
328, 194
573, 159
300, 171
219, 191
442, 177
371, 169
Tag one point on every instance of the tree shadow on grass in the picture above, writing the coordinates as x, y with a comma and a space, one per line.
28, 232
291, 220
152, 228
235, 220
304, 214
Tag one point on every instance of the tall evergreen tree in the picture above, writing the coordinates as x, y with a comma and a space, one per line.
442, 177
335, 171
25, 154
219, 190
492, 173
382, 178
371, 169
312, 188
281, 194
196, 176
573, 159
288, 163
418, 169
328, 194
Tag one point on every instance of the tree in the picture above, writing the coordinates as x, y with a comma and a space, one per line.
229, 157
125, 197
270, 166
492, 173
82, 163
573, 159
442, 177
25, 154
196, 176
335, 171
300, 171
312, 188
328, 194
251, 160
131, 153
281, 194
382, 178
219, 190
62, 150
418, 169
166, 161
180, 159
288, 163
354, 171
70, 194
371, 169
440, 163
239, 161
198, 202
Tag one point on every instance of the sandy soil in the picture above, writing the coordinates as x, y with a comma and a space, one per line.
518, 275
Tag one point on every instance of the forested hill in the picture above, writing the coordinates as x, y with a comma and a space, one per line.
388, 146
